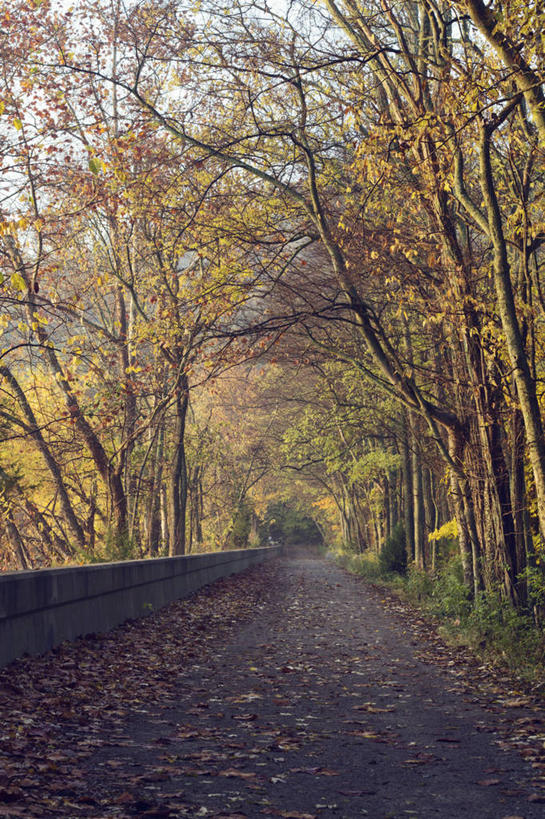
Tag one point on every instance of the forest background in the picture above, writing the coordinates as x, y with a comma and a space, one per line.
275, 270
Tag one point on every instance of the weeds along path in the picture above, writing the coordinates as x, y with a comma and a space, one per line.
291, 690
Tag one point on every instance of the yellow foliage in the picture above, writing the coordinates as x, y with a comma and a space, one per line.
448, 529
325, 503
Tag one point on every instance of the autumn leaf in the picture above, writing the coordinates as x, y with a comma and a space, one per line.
94, 165
234, 773
18, 282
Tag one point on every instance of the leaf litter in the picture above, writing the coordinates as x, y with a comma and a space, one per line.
152, 719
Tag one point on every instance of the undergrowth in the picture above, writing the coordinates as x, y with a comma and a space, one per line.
490, 626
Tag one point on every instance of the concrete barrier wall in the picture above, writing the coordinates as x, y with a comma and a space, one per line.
40, 609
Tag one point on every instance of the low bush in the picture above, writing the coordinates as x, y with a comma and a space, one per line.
449, 595
393, 555
418, 585
365, 564
494, 628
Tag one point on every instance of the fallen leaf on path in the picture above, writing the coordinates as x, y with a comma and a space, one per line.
363, 734
232, 772
358, 793
188, 733
125, 798
317, 771
231, 815
373, 709
291, 814
420, 759
198, 772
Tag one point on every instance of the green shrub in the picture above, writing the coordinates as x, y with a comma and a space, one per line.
112, 549
494, 625
393, 555
535, 578
419, 585
450, 597
365, 564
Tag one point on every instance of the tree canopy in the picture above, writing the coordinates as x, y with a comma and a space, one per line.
266, 260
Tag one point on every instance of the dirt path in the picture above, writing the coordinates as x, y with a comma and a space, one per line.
319, 705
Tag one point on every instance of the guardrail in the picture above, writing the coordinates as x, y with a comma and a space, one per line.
40, 609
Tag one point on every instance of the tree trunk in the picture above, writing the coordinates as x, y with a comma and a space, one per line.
22, 557
177, 499
387, 507
165, 535
153, 506
408, 506
464, 541
523, 536
526, 388
428, 510
418, 505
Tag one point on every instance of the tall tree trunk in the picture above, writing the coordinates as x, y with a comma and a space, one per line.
387, 507
408, 506
456, 495
153, 506
418, 505
17, 544
165, 534
178, 478
523, 536
526, 387
127, 474
393, 481
428, 510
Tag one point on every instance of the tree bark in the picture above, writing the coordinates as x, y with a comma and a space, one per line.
177, 499
418, 511
526, 388
408, 506
529, 83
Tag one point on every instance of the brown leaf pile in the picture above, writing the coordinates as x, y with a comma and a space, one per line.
57, 709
